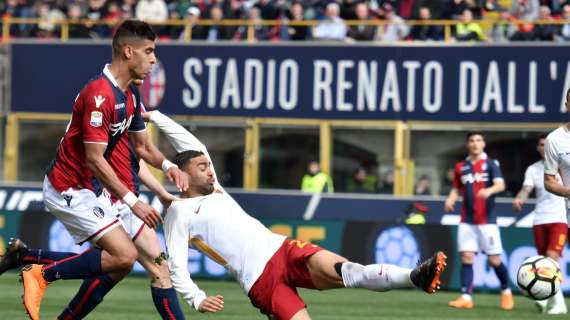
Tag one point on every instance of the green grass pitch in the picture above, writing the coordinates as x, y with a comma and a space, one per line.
131, 300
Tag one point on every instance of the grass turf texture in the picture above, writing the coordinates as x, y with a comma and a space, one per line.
131, 300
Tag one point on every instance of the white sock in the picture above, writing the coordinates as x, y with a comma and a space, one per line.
507, 290
466, 296
558, 299
375, 277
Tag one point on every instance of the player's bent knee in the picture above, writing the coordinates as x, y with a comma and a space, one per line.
126, 260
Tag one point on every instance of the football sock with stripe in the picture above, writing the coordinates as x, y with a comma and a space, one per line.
166, 303
80, 266
503, 275
467, 278
376, 277
40, 256
89, 296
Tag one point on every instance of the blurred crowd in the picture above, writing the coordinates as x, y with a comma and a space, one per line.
477, 20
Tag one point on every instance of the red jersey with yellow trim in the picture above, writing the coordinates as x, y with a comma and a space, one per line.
102, 113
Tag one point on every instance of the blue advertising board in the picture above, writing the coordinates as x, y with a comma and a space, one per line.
443, 83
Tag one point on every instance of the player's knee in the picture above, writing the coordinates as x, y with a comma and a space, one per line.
495, 260
127, 259
467, 257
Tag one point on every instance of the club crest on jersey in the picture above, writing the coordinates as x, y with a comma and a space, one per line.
119, 128
98, 212
96, 119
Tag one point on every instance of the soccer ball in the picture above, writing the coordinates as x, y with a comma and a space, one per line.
539, 277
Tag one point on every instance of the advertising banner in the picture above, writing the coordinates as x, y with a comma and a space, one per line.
443, 83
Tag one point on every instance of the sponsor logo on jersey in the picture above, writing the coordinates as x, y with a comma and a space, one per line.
120, 106
198, 209
96, 119
472, 178
119, 128
99, 101
98, 212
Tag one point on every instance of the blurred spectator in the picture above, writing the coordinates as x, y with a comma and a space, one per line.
387, 183
96, 10
545, 32
295, 14
76, 28
196, 32
267, 9
415, 213
332, 27
12, 9
447, 182
347, 9
455, 8
423, 186
315, 180
525, 9
395, 28
152, 10
467, 29
47, 28
492, 6
362, 32
502, 30
128, 8
564, 31
217, 31
361, 182
260, 32
425, 31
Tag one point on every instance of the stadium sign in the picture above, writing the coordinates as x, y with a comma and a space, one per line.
443, 83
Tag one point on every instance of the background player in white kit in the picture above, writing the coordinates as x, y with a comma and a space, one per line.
268, 266
550, 221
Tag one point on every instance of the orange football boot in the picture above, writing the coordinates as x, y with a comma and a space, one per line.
34, 288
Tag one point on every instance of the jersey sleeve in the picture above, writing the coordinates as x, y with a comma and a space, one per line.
495, 170
176, 236
550, 158
457, 177
529, 177
97, 116
137, 125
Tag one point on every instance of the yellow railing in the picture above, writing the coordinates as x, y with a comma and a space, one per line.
447, 25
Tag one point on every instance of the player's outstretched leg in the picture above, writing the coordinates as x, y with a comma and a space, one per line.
507, 302
18, 254
426, 275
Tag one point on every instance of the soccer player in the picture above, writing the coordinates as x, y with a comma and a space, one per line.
557, 161
104, 111
478, 179
550, 222
268, 266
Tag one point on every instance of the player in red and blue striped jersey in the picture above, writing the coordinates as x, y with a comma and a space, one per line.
478, 179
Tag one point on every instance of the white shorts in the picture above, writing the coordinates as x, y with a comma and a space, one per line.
479, 237
84, 217
132, 224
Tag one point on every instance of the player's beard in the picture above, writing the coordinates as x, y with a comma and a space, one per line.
205, 188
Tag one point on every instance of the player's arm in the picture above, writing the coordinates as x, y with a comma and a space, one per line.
148, 179
176, 236
180, 138
151, 155
521, 197
96, 162
451, 199
498, 185
551, 169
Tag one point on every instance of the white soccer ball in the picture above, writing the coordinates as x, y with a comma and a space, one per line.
539, 277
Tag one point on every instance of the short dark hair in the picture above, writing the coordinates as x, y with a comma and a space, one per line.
131, 29
567, 93
183, 157
474, 133
542, 136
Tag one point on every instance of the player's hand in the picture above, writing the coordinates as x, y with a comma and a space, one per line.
517, 204
147, 214
212, 304
146, 116
484, 194
449, 206
179, 178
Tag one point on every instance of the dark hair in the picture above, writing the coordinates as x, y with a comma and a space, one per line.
129, 30
567, 93
542, 136
474, 133
183, 157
